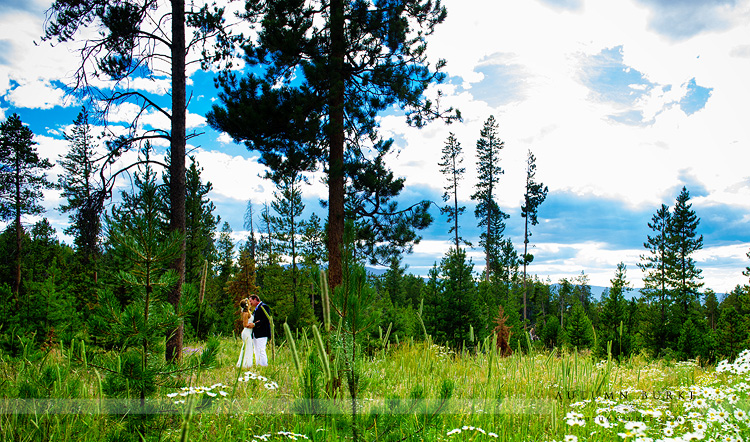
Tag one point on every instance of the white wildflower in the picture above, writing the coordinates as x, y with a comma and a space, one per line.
602, 421
700, 403
699, 426
636, 427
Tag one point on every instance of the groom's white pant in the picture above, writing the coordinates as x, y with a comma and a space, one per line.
259, 346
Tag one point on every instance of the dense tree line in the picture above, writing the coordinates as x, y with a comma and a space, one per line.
67, 291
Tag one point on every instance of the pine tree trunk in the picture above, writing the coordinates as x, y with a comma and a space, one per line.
177, 184
294, 259
19, 245
336, 145
487, 249
455, 202
19, 229
525, 253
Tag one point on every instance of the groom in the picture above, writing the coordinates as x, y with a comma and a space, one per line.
262, 329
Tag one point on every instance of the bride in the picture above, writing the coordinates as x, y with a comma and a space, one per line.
246, 354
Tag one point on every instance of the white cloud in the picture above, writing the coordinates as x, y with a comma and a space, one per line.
194, 121
37, 95
224, 138
4, 83
586, 153
152, 118
159, 86
29, 60
721, 265
234, 176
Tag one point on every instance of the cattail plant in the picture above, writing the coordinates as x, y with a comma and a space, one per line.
326, 301
322, 353
293, 348
201, 292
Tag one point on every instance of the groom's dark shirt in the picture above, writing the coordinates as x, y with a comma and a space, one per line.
262, 327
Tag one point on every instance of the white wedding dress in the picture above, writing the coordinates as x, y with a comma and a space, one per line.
246, 354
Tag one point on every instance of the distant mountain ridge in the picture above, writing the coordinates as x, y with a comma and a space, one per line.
596, 291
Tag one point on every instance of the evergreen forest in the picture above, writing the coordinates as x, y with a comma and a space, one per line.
55, 292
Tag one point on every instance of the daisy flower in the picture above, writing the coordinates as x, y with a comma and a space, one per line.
602, 421
637, 427
700, 403
700, 426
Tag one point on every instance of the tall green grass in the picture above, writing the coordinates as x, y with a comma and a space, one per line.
408, 391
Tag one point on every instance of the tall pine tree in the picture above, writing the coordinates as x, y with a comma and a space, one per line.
83, 190
22, 180
252, 243
134, 39
313, 241
450, 166
491, 218
683, 240
654, 266
615, 314
458, 306
534, 196
287, 225
578, 329
200, 223
324, 72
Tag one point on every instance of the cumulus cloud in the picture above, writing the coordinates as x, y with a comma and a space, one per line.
234, 176
158, 86
194, 121
684, 19
224, 138
37, 95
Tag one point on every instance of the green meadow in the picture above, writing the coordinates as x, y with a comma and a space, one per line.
406, 391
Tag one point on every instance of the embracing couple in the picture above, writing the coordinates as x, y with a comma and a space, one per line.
255, 332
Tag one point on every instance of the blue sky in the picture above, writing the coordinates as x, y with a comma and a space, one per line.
622, 102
